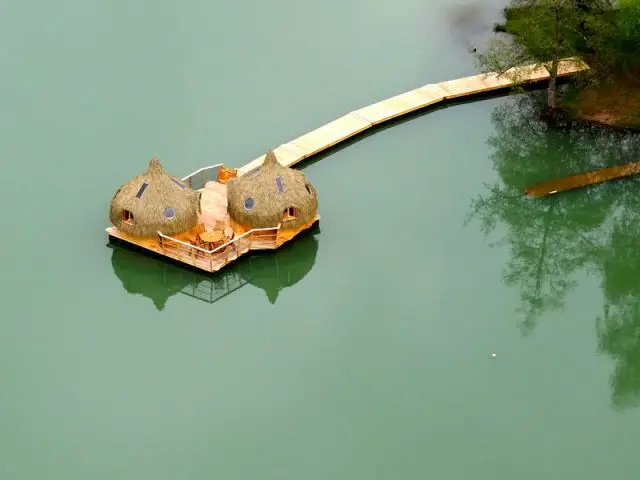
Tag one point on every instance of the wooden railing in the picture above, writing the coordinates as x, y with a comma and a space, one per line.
214, 259
198, 179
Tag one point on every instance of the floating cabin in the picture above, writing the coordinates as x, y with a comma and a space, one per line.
209, 222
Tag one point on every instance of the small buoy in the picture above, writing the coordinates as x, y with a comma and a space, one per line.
493, 355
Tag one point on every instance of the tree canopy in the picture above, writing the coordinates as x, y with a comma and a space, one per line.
603, 32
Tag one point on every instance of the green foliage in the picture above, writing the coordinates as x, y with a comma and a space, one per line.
626, 40
606, 35
550, 29
547, 29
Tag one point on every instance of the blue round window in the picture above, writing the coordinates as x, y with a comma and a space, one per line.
169, 212
248, 203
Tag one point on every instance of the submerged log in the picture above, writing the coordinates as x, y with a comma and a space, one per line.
583, 179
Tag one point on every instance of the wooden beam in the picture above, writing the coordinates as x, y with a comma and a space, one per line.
583, 179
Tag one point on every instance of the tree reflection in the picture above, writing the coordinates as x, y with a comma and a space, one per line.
160, 279
619, 328
550, 239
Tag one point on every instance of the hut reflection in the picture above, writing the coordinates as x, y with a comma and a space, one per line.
275, 271
159, 279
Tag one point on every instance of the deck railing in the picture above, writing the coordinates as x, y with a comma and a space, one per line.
216, 258
198, 179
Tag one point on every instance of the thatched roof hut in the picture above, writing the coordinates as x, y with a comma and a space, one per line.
272, 194
154, 201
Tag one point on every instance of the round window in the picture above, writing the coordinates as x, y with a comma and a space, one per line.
169, 212
248, 203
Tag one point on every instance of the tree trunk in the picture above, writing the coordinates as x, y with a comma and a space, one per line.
552, 92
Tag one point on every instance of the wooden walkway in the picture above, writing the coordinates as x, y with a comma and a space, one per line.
355, 122
583, 179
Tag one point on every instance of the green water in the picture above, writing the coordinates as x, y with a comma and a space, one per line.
363, 350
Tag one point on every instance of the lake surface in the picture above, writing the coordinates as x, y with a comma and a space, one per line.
361, 351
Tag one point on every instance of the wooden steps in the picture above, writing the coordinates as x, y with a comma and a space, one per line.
353, 123
583, 179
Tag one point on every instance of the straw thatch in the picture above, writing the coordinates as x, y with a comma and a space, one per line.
152, 207
255, 200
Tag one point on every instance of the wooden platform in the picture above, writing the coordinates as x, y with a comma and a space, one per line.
355, 122
583, 179
213, 216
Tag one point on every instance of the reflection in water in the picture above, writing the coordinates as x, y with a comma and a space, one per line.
274, 271
550, 239
159, 279
619, 327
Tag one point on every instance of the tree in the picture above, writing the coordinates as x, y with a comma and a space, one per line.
626, 42
543, 32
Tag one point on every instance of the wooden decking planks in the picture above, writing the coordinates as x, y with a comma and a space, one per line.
571, 66
355, 122
463, 87
583, 179
332, 133
401, 104
324, 137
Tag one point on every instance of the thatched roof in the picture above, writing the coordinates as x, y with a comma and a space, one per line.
157, 201
259, 198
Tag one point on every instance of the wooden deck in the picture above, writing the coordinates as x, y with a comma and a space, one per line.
355, 122
213, 216
583, 179
215, 259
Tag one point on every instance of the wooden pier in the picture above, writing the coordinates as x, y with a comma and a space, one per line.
356, 122
583, 179
215, 253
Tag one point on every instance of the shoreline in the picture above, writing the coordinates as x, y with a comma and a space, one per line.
615, 104
604, 119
